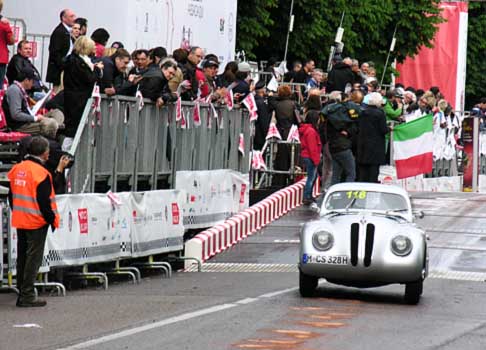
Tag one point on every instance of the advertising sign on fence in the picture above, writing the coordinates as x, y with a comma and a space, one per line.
212, 196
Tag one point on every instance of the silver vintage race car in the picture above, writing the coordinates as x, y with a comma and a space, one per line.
365, 237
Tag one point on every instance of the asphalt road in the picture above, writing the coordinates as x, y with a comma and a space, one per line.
248, 299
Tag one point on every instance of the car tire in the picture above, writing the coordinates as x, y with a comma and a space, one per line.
307, 284
413, 291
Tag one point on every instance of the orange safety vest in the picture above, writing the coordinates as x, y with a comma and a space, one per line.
24, 179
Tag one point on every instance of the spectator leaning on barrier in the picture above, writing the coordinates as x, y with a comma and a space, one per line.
114, 81
371, 139
34, 209
80, 76
228, 76
60, 46
242, 88
6, 38
180, 57
195, 56
155, 82
21, 61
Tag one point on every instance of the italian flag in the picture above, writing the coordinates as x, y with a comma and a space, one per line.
413, 145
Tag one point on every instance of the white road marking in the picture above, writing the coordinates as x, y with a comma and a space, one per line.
172, 320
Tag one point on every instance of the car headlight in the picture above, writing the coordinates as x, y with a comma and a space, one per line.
401, 245
322, 240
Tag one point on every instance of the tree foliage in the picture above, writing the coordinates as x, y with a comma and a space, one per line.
368, 25
476, 48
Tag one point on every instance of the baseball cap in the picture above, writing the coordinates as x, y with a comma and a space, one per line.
244, 67
209, 64
27, 73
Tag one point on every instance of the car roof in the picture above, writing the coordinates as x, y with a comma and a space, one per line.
366, 186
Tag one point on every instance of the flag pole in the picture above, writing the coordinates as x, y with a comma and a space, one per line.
290, 29
392, 47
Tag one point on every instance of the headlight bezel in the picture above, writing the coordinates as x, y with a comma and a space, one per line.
319, 245
401, 252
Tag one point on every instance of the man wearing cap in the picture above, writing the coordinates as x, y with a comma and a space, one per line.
242, 88
264, 117
16, 104
205, 77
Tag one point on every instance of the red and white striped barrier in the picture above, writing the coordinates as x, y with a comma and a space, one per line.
216, 239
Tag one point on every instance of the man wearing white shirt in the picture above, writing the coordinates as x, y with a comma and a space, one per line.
59, 47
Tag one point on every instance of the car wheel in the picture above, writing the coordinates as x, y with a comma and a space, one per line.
307, 284
413, 291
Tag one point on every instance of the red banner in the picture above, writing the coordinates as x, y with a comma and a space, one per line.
445, 64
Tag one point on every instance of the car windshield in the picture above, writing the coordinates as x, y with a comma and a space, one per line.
366, 200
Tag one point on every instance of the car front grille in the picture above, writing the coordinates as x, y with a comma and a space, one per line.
369, 241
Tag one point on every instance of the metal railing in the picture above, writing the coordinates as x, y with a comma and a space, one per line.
144, 148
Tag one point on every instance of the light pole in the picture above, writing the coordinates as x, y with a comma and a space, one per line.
392, 48
290, 29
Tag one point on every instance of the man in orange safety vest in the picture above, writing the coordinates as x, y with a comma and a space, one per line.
34, 209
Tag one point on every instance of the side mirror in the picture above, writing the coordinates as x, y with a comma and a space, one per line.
419, 214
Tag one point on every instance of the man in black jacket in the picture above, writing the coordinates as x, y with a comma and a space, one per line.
264, 116
113, 81
195, 56
21, 61
340, 76
59, 47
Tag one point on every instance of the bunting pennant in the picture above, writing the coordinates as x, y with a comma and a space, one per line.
293, 134
179, 109
96, 104
257, 161
229, 99
183, 120
3, 121
241, 145
250, 103
115, 200
139, 96
218, 116
196, 114
273, 132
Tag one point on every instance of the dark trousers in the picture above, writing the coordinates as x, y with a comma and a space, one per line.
30, 249
343, 165
368, 172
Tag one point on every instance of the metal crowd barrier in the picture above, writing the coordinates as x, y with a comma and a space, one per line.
128, 148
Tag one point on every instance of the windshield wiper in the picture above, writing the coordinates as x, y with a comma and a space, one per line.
350, 203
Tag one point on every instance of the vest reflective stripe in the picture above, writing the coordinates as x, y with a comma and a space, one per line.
24, 198
25, 177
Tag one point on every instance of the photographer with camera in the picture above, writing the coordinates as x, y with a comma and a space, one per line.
394, 105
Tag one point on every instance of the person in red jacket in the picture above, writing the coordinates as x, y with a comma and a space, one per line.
310, 153
6, 38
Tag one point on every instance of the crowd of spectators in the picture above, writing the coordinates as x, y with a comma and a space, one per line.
346, 106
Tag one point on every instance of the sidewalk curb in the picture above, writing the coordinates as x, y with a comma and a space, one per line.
218, 238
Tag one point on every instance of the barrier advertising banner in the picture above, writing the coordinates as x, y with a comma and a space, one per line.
212, 196
157, 223
445, 64
91, 230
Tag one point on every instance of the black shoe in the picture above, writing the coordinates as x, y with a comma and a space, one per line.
34, 303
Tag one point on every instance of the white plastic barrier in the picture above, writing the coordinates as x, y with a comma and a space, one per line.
215, 240
212, 196
94, 229
420, 183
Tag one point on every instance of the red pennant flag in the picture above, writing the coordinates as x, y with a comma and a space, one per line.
196, 114
241, 145
257, 161
140, 100
273, 132
294, 134
229, 99
179, 109
250, 103
96, 103
183, 120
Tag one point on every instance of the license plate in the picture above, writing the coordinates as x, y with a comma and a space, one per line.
327, 260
